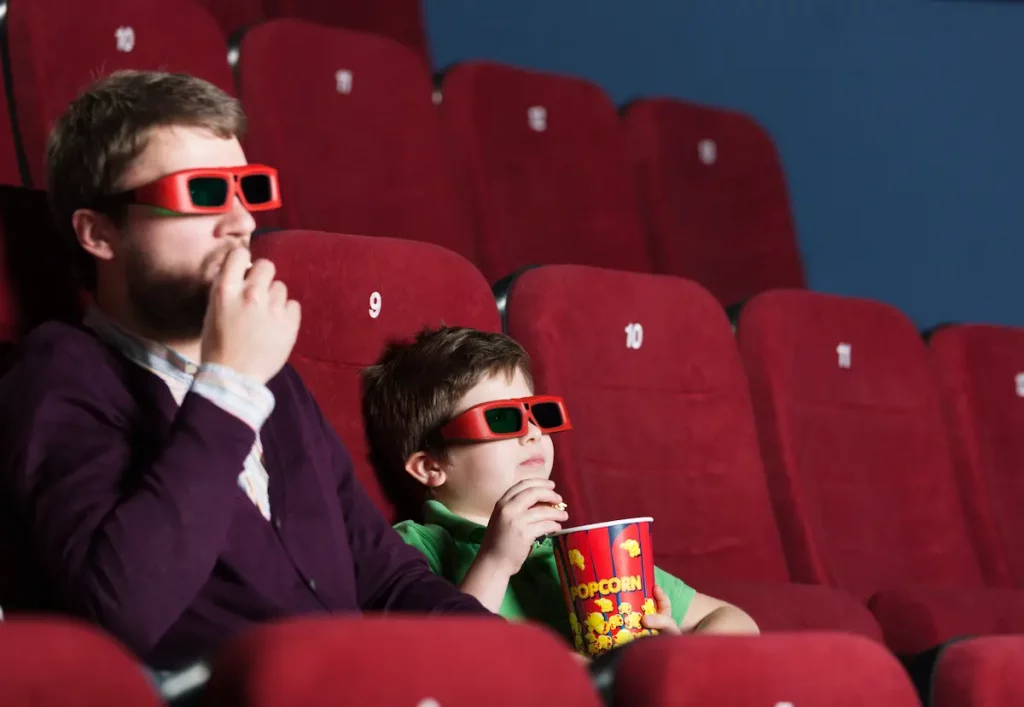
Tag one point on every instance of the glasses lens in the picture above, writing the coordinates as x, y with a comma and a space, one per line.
256, 188
208, 191
547, 415
503, 421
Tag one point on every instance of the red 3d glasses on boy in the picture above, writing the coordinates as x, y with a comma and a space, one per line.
505, 419
206, 191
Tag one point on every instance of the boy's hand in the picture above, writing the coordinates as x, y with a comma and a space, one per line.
521, 516
662, 621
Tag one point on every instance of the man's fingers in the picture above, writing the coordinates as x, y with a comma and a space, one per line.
232, 272
278, 294
260, 276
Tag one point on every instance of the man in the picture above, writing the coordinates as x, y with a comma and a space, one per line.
175, 478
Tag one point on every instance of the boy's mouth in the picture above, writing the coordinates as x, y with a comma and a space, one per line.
535, 460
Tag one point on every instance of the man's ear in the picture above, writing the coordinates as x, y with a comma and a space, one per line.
426, 469
95, 232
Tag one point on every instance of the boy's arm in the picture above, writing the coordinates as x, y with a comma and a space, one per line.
484, 579
693, 612
710, 615
525, 513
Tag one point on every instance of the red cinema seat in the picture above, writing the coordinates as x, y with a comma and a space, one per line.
400, 20
981, 373
805, 670
714, 198
52, 663
349, 121
358, 293
542, 160
459, 663
981, 672
10, 172
58, 48
234, 15
663, 427
859, 467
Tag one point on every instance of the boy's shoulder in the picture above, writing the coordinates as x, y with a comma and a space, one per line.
431, 540
415, 533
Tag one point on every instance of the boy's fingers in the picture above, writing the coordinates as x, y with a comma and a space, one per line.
662, 600
523, 485
660, 622
531, 497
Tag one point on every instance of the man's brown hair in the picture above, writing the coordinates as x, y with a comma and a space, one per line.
106, 127
412, 391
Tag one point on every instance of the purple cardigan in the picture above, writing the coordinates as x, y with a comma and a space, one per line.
133, 512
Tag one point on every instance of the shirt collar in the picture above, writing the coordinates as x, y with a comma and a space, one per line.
157, 357
436, 513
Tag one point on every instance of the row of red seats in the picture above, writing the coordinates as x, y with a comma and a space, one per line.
321, 663
400, 20
848, 501
513, 168
847, 490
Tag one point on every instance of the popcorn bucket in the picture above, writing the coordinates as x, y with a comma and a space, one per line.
607, 574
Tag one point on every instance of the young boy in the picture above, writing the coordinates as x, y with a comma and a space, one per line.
483, 505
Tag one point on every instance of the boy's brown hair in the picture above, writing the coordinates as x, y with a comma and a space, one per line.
412, 391
106, 127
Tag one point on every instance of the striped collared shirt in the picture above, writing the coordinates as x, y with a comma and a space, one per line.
247, 400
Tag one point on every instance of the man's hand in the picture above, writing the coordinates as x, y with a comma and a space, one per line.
521, 516
661, 621
250, 324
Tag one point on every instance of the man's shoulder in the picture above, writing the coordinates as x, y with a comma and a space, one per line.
59, 344
59, 355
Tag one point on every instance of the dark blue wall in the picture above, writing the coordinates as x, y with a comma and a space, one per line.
900, 122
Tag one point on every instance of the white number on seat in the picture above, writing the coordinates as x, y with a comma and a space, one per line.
125, 38
343, 81
634, 336
845, 353
707, 150
538, 118
375, 305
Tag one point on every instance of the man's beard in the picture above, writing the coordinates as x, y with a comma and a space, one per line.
169, 307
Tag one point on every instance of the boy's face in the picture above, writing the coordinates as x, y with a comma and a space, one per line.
479, 473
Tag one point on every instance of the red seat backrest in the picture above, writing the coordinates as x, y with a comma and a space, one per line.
981, 373
484, 661
357, 294
854, 444
58, 48
662, 419
400, 20
47, 662
542, 161
349, 121
714, 198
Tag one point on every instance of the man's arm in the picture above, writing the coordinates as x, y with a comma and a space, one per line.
125, 542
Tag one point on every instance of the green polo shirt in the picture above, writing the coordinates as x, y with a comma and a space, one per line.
451, 543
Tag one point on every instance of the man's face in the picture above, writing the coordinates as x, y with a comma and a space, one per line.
169, 261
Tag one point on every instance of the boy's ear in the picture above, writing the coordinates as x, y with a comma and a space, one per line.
426, 469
